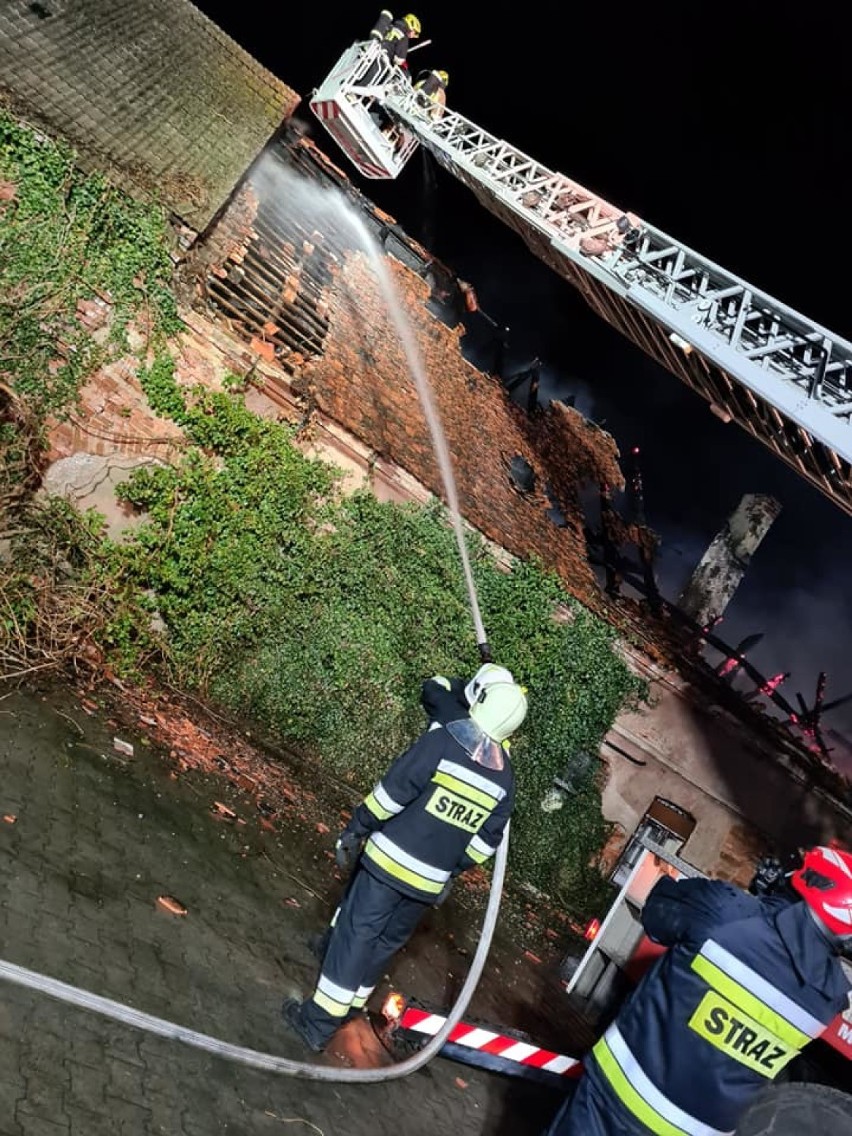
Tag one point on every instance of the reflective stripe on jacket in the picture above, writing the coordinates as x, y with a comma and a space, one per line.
747, 1017
640, 1095
382, 25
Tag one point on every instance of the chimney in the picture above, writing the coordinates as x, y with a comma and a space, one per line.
712, 585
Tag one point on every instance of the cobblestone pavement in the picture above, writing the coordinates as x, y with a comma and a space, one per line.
96, 839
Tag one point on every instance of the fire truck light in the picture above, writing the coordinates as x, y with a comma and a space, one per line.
592, 928
393, 1008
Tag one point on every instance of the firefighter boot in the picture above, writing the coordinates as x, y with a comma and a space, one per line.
291, 1013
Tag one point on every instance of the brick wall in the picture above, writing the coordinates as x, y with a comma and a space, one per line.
303, 301
113, 418
362, 381
360, 408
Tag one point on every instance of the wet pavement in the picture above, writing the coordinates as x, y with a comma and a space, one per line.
89, 839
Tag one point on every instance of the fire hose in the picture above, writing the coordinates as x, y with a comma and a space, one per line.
138, 1019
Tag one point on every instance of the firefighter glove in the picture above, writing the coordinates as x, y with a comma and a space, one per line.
768, 875
347, 850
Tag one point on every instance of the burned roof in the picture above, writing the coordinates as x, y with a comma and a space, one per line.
150, 91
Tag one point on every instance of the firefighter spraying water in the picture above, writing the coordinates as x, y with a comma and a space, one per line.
444, 700
440, 809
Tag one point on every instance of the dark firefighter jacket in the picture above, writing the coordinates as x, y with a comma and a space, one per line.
745, 985
397, 42
430, 83
435, 813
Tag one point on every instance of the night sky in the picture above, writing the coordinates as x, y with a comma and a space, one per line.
728, 131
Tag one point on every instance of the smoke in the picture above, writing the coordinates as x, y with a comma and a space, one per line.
805, 624
273, 181
579, 394
799, 637
679, 553
695, 470
795, 590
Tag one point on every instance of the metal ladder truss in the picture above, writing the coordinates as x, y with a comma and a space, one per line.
782, 377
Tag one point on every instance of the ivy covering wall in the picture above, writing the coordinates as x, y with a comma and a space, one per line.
66, 237
320, 614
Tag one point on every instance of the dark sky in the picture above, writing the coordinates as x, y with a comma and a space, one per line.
728, 131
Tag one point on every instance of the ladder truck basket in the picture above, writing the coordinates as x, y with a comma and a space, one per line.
349, 105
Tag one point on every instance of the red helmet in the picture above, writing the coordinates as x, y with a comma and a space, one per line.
824, 882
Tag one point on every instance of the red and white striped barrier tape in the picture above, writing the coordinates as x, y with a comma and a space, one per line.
509, 1048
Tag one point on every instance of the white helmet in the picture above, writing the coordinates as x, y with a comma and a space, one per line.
499, 710
486, 674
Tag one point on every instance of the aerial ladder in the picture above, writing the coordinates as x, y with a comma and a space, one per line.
780, 376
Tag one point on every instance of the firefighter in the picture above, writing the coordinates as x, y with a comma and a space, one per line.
440, 809
746, 983
444, 700
433, 84
398, 37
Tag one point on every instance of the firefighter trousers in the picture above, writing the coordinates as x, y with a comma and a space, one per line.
373, 922
592, 1111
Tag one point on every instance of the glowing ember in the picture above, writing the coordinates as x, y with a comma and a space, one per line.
772, 684
393, 1007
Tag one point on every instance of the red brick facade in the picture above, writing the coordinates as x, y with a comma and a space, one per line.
315, 336
362, 381
114, 418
